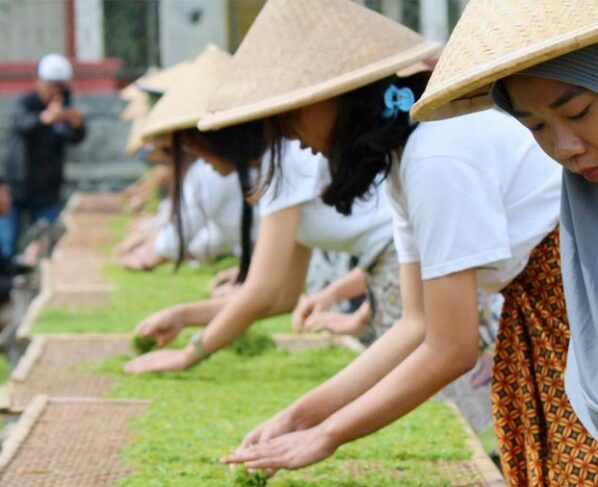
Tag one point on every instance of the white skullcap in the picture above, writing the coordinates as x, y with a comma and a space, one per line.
54, 68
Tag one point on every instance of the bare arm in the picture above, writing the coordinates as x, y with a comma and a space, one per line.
351, 285
371, 366
275, 280
448, 350
166, 324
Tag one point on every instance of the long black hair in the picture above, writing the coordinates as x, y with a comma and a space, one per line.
239, 144
362, 140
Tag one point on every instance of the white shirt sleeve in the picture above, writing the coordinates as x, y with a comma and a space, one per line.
449, 216
403, 237
297, 181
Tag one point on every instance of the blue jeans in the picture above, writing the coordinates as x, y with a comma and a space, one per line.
12, 224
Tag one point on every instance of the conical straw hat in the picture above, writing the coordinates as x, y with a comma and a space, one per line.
137, 107
159, 82
131, 91
135, 141
299, 52
496, 38
187, 99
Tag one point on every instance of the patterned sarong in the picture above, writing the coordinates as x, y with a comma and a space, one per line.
384, 294
541, 441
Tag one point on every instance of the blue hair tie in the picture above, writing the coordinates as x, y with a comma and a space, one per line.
397, 100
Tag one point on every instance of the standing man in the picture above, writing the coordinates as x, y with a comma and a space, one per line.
43, 121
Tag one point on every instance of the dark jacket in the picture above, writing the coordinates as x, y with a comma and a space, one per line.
34, 169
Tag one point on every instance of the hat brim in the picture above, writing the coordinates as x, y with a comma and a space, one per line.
172, 125
470, 91
318, 92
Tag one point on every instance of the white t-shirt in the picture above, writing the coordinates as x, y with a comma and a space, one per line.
304, 176
211, 215
473, 192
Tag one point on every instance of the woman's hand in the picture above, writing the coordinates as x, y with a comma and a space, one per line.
162, 361
129, 244
309, 305
337, 323
163, 326
223, 282
279, 424
289, 451
137, 195
142, 258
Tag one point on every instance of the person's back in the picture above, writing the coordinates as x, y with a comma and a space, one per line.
498, 193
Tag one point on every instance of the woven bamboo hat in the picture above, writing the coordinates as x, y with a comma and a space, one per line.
158, 83
129, 92
496, 38
137, 107
187, 99
299, 52
135, 141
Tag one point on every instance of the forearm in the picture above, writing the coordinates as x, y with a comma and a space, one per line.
416, 379
244, 308
200, 312
349, 286
359, 376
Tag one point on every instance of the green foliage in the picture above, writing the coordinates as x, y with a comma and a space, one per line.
202, 414
143, 344
489, 440
4, 368
137, 294
245, 478
253, 343
197, 416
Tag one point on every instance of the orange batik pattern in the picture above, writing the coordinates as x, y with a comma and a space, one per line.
541, 441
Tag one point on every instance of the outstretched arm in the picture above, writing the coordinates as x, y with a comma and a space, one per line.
276, 278
397, 374
274, 283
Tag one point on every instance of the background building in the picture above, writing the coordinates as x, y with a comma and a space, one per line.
112, 42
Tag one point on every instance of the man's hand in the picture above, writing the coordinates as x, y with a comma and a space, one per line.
74, 117
53, 113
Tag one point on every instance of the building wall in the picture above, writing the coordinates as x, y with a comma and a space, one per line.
99, 161
31, 28
89, 33
187, 26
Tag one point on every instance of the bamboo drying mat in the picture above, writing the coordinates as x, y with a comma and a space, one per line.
94, 203
73, 442
49, 367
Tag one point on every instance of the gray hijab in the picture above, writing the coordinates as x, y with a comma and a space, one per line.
579, 246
